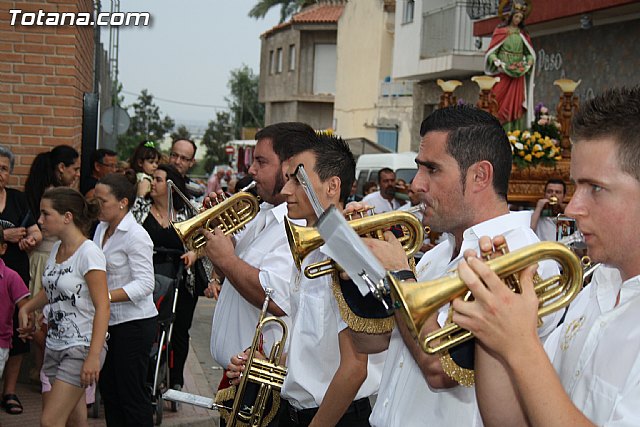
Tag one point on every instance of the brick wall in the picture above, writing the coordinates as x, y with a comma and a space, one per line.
44, 72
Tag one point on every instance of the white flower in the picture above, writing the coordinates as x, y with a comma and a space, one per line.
526, 135
537, 147
512, 138
519, 145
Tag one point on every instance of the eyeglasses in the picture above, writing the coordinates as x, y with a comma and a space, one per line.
175, 155
109, 165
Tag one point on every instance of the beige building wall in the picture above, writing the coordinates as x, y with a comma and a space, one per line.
364, 59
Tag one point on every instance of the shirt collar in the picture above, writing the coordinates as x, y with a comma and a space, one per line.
126, 222
2, 268
492, 227
276, 212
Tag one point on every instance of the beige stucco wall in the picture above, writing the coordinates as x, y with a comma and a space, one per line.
365, 55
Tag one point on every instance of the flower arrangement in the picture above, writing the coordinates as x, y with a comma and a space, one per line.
531, 148
544, 123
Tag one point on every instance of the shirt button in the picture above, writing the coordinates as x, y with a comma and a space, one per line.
577, 374
386, 402
400, 364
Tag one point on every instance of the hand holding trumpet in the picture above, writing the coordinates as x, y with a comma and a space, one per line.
497, 314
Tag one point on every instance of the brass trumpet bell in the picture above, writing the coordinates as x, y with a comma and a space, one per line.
231, 215
304, 240
418, 301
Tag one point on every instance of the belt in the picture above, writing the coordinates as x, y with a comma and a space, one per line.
304, 416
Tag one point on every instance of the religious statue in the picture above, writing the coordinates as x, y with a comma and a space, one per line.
511, 57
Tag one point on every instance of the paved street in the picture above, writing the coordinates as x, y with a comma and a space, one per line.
200, 378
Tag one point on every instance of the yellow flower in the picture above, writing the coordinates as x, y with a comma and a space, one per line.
521, 153
558, 158
516, 133
527, 157
539, 154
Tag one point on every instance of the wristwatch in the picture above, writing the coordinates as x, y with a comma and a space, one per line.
403, 274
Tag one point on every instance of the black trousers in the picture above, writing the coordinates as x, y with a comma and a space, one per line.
123, 379
185, 307
356, 415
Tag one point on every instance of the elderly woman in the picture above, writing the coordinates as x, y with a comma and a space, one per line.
22, 235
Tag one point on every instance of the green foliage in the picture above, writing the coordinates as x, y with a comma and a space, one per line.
215, 138
288, 8
246, 110
180, 133
146, 125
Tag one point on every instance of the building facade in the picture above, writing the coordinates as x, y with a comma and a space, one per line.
44, 73
298, 67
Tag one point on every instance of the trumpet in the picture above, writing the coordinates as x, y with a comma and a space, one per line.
304, 240
418, 301
230, 214
268, 375
249, 404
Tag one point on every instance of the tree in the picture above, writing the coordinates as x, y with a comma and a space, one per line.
146, 124
243, 102
180, 133
217, 135
288, 8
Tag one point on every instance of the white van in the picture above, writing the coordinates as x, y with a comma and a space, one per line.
368, 165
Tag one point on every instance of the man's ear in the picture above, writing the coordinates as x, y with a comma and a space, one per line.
481, 174
333, 187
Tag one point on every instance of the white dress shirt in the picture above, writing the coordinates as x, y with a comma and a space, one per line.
546, 228
314, 351
263, 245
381, 204
405, 398
596, 351
129, 254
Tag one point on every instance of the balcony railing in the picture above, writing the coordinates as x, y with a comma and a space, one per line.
447, 31
399, 88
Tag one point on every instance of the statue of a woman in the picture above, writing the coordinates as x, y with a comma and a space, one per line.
511, 56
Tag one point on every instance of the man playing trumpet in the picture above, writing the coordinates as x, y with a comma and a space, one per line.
464, 162
593, 377
543, 220
260, 258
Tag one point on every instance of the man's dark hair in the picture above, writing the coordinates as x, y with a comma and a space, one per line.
100, 154
556, 181
288, 138
614, 114
193, 144
384, 170
473, 135
334, 158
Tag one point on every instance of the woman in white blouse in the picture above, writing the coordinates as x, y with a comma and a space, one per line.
129, 252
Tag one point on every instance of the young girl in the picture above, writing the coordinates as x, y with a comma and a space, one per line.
144, 162
75, 287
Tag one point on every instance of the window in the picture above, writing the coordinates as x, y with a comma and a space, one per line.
279, 60
388, 138
324, 69
407, 15
292, 57
271, 64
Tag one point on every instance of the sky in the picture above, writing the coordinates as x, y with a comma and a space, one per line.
188, 52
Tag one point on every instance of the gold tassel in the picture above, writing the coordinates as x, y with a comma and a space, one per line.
355, 322
464, 377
